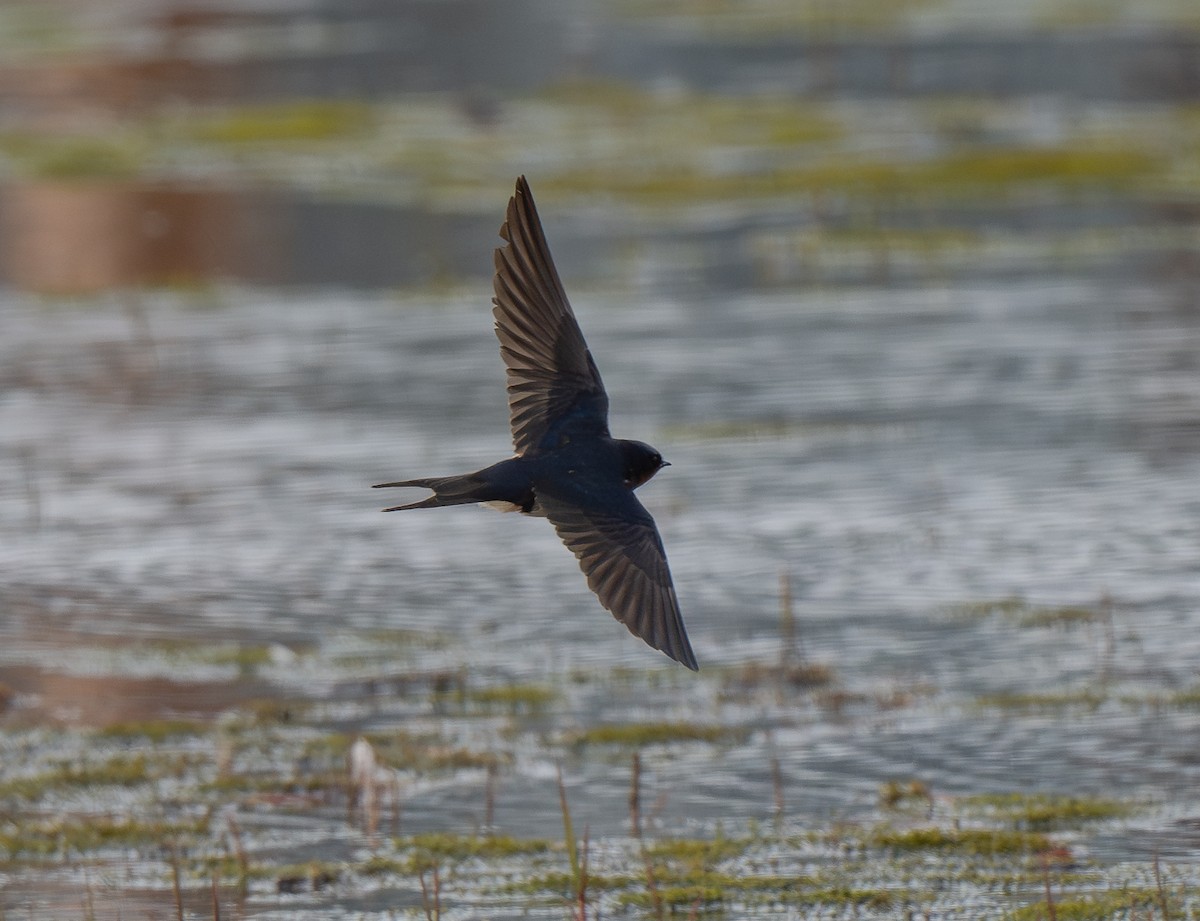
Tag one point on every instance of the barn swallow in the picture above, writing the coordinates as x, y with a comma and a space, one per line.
567, 467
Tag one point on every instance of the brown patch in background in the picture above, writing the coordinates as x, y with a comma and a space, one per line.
96, 701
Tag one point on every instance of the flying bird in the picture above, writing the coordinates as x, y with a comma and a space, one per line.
567, 467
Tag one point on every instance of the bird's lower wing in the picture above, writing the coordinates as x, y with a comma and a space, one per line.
621, 554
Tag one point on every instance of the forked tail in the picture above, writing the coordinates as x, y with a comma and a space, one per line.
447, 490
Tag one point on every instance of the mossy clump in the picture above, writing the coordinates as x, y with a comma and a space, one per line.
380, 865
974, 175
155, 731
513, 698
1096, 906
897, 794
696, 851
1067, 615
684, 892
448, 844
563, 883
638, 735
1023, 702
986, 608
1188, 698
706, 889
978, 842
314, 875
74, 158
1043, 812
85, 834
247, 658
299, 121
117, 771
436, 848
1030, 615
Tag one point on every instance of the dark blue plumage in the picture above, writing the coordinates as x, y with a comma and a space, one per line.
568, 468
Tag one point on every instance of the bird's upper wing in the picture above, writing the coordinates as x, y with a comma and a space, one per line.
554, 388
621, 554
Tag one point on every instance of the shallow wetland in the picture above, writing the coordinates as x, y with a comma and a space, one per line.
918, 333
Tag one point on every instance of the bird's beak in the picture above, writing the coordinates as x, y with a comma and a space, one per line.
664, 464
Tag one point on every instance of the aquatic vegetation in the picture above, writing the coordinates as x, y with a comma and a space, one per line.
957, 176
1064, 616
984, 842
154, 730
696, 851
638, 735
512, 698
1027, 614
1095, 906
286, 122
435, 848
896, 794
1031, 701
115, 771
86, 834
1044, 812
1188, 698
74, 159
247, 658
979, 609
859, 17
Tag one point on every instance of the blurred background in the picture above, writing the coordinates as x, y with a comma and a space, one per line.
908, 292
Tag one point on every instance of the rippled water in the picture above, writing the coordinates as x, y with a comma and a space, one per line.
175, 470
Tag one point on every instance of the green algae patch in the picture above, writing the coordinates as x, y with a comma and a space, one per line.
1097, 906
637, 735
1041, 812
563, 883
512, 698
982, 174
977, 842
719, 888
909, 794
1064, 616
1031, 615
117, 771
1187, 699
290, 122
70, 159
81, 834
696, 851
432, 849
975, 610
155, 731
1023, 702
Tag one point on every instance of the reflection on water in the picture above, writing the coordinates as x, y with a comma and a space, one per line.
362, 148
81, 237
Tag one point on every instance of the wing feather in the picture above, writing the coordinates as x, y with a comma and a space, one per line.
553, 385
622, 556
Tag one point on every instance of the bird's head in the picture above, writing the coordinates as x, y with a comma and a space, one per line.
640, 462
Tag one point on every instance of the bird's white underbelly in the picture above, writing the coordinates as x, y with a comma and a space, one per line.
501, 506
